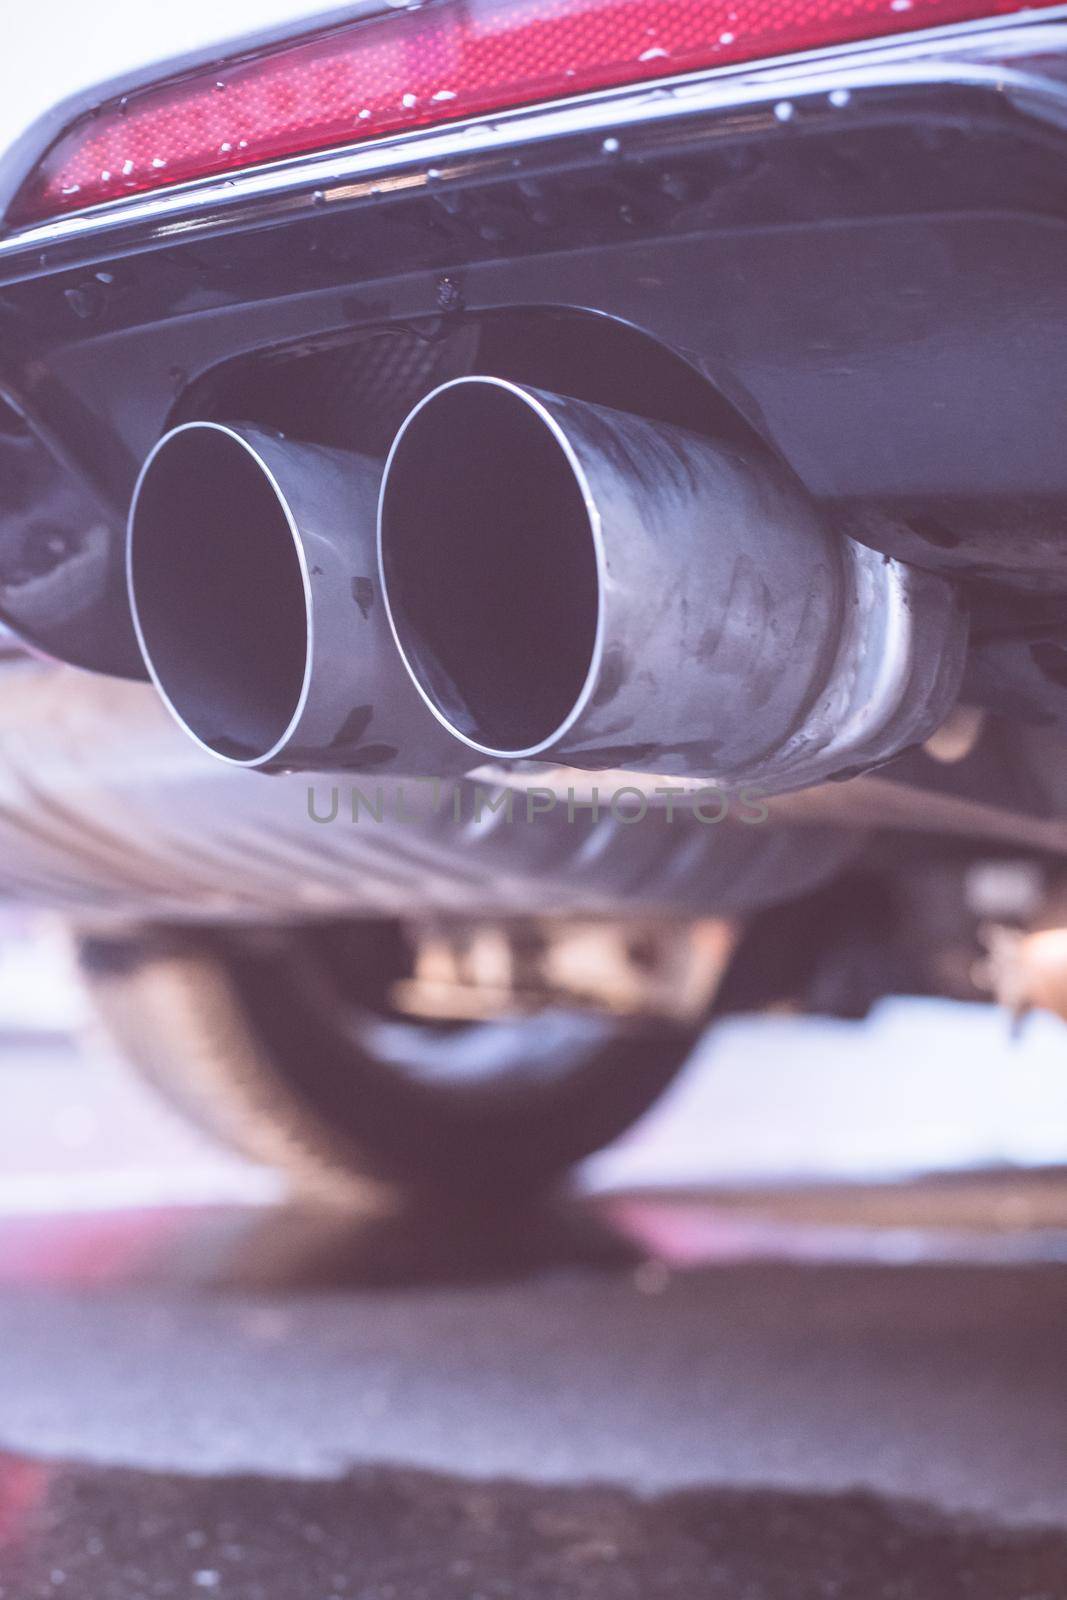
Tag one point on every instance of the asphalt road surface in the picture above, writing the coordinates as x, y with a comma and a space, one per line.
846, 1390
278, 1406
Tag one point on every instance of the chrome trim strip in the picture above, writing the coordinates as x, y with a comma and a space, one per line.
964, 54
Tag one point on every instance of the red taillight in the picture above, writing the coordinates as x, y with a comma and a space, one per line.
409, 69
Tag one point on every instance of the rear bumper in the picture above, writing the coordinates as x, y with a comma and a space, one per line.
856, 255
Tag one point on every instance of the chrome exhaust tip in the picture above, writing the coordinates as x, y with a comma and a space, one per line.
492, 567
575, 583
253, 588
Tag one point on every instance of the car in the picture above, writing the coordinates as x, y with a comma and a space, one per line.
526, 525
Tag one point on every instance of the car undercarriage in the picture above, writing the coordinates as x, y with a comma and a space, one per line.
628, 518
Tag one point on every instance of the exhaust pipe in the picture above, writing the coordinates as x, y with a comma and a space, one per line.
254, 591
575, 583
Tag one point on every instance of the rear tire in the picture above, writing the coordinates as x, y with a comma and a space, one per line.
282, 1044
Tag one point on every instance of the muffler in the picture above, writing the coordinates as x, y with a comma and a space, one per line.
571, 582
254, 590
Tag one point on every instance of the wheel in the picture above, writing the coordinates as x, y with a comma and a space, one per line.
284, 1044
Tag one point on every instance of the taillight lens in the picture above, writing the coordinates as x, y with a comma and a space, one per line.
409, 69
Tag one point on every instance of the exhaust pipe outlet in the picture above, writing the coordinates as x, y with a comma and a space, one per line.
254, 590
571, 582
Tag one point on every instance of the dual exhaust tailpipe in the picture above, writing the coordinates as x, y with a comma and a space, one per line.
561, 582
